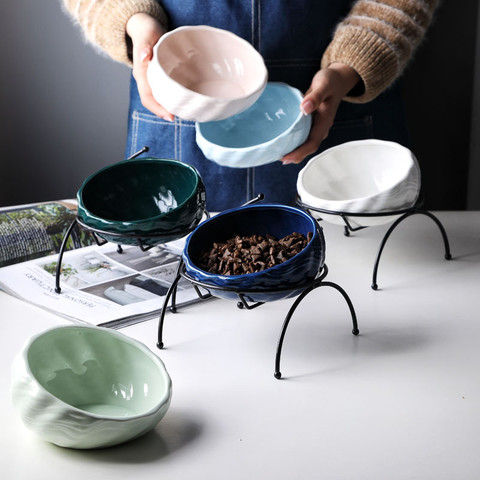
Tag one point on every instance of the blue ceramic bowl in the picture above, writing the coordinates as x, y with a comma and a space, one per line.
285, 280
272, 127
148, 199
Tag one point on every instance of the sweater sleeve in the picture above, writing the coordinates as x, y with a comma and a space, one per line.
377, 38
103, 22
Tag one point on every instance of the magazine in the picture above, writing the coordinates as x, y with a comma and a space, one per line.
99, 284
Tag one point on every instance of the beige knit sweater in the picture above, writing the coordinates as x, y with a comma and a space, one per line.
377, 38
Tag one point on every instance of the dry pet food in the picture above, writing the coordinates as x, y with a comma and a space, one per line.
252, 253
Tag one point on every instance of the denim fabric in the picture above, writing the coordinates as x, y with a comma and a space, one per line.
291, 35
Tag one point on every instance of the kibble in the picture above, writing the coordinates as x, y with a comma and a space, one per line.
246, 254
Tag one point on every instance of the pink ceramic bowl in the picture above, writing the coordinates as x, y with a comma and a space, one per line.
203, 73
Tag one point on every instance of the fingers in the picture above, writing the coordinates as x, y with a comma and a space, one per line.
319, 91
318, 133
329, 86
141, 59
145, 32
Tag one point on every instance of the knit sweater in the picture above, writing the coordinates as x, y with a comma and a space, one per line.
376, 38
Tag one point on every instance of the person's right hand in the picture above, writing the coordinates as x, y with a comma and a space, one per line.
145, 31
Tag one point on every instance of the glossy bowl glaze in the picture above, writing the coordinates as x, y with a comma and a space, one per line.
361, 177
89, 387
285, 280
158, 200
202, 73
272, 127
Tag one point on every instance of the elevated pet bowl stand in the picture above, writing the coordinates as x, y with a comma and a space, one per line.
141, 240
243, 303
144, 242
403, 214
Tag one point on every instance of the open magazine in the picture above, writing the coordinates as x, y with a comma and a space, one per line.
99, 284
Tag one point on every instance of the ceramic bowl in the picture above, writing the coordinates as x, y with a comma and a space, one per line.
158, 200
285, 280
203, 73
361, 177
272, 127
89, 387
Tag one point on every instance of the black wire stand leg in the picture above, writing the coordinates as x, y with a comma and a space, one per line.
448, 255
60, 256
290, 313
170, 293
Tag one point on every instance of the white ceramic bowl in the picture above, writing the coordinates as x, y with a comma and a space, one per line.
272, 127
203, 73
89, 387
364, 176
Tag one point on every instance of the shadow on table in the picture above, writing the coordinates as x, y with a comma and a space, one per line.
174, 432
368, 346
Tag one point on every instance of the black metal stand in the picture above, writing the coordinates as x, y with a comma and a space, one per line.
243, 303
401, 214
144, 242
147, 241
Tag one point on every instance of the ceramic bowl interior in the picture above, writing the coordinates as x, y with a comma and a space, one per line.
281, 281
143, 196
272, 127
365, 176
87, 387
204, 73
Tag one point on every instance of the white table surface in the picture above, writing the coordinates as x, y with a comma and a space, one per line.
400, 401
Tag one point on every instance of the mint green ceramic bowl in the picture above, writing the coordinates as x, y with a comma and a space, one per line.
88, 387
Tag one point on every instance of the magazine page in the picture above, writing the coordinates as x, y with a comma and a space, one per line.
100, 285
36, 230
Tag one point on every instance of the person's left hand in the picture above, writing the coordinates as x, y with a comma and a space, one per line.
329, 86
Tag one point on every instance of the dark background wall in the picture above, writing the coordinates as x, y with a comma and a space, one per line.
439, 90
63, 106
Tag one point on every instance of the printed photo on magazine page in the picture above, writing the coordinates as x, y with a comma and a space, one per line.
37, 230
100, 285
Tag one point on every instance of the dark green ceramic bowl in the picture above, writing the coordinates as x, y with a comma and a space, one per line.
153, 200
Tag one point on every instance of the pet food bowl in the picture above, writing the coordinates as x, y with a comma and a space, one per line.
360, 177
203, 73
284, 280
148, 199
272, 127
89, 387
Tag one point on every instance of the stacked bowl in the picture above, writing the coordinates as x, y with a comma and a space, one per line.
218, 80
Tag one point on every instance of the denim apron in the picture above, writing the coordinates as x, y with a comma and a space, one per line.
291, 35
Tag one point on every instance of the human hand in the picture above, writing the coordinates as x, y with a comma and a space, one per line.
329, 86
145, 31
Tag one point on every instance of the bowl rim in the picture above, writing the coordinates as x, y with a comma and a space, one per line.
156, 64
308, 199
109, 221
316, 230
295, 91
159, 404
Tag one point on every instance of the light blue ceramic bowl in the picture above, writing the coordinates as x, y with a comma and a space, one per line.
272, 127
